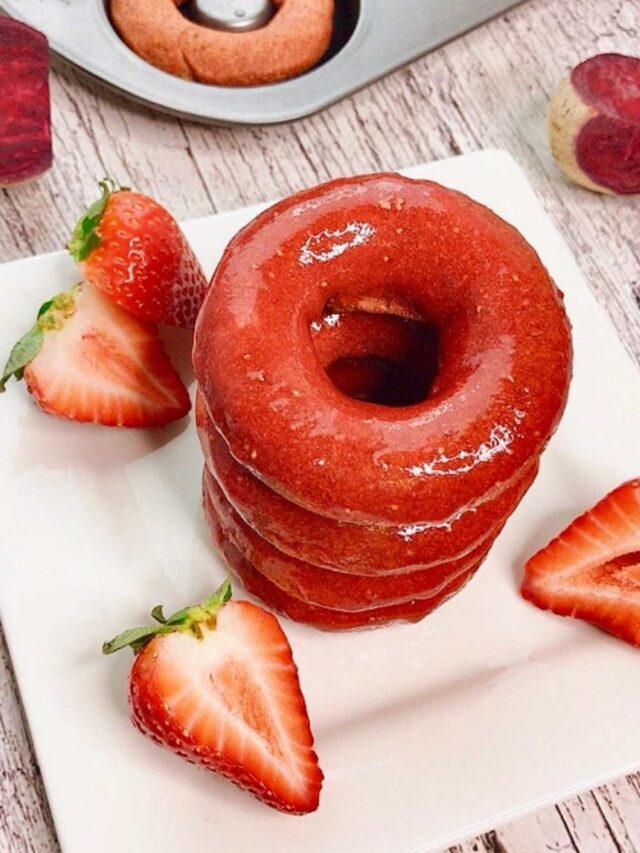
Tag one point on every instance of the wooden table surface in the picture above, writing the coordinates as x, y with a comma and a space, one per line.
487, 89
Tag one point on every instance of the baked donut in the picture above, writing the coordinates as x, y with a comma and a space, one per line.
293, 41
364, 549
380, 364
324, 587
393, 245
323, 618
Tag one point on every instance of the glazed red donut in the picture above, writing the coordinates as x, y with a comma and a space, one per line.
326, 588
355, 548
385, 244
322, 617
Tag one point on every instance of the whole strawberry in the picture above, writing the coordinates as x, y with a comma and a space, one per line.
133, 250
216, 683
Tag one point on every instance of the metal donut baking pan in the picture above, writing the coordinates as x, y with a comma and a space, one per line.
371, 38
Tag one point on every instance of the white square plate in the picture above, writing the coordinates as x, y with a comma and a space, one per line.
426, 733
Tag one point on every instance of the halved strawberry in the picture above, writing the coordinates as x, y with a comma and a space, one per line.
216, 683
592, 569
133, 250
85, 359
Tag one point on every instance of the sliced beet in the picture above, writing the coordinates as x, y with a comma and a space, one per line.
610, 83
608, 151
25, 113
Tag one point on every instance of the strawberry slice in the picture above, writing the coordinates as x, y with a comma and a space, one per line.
133, 250
85, 359
216, 683
592, 570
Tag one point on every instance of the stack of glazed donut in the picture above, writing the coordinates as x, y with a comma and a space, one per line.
380, 362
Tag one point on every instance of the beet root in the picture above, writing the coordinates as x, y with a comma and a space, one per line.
594, 124
25, 114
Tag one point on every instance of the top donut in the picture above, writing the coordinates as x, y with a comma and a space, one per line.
391, 245
293, 41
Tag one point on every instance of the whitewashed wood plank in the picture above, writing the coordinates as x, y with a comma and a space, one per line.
96, 134
542, 832
487, 843
587, 825
619, 803
25, 821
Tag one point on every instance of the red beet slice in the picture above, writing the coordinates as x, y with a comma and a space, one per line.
25, 114
610, 83
594, 124
608, 151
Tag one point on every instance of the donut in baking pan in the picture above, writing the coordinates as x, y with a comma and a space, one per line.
294, 40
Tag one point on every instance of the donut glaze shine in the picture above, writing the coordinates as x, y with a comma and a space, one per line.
324, 587
387, 244
324, 618
347, 547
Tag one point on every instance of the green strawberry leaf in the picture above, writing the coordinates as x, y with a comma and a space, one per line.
189, 619
51, 315
45, 307
219, 597
134, 637
22, 353
85, 237
158, 614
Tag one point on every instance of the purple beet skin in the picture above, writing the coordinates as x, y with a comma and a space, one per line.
25, 112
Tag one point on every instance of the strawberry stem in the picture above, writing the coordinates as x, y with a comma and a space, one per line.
51, 315
189, 619
85, 237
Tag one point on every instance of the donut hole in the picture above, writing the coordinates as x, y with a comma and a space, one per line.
238, 16
372, 379
345, 21
377, 358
